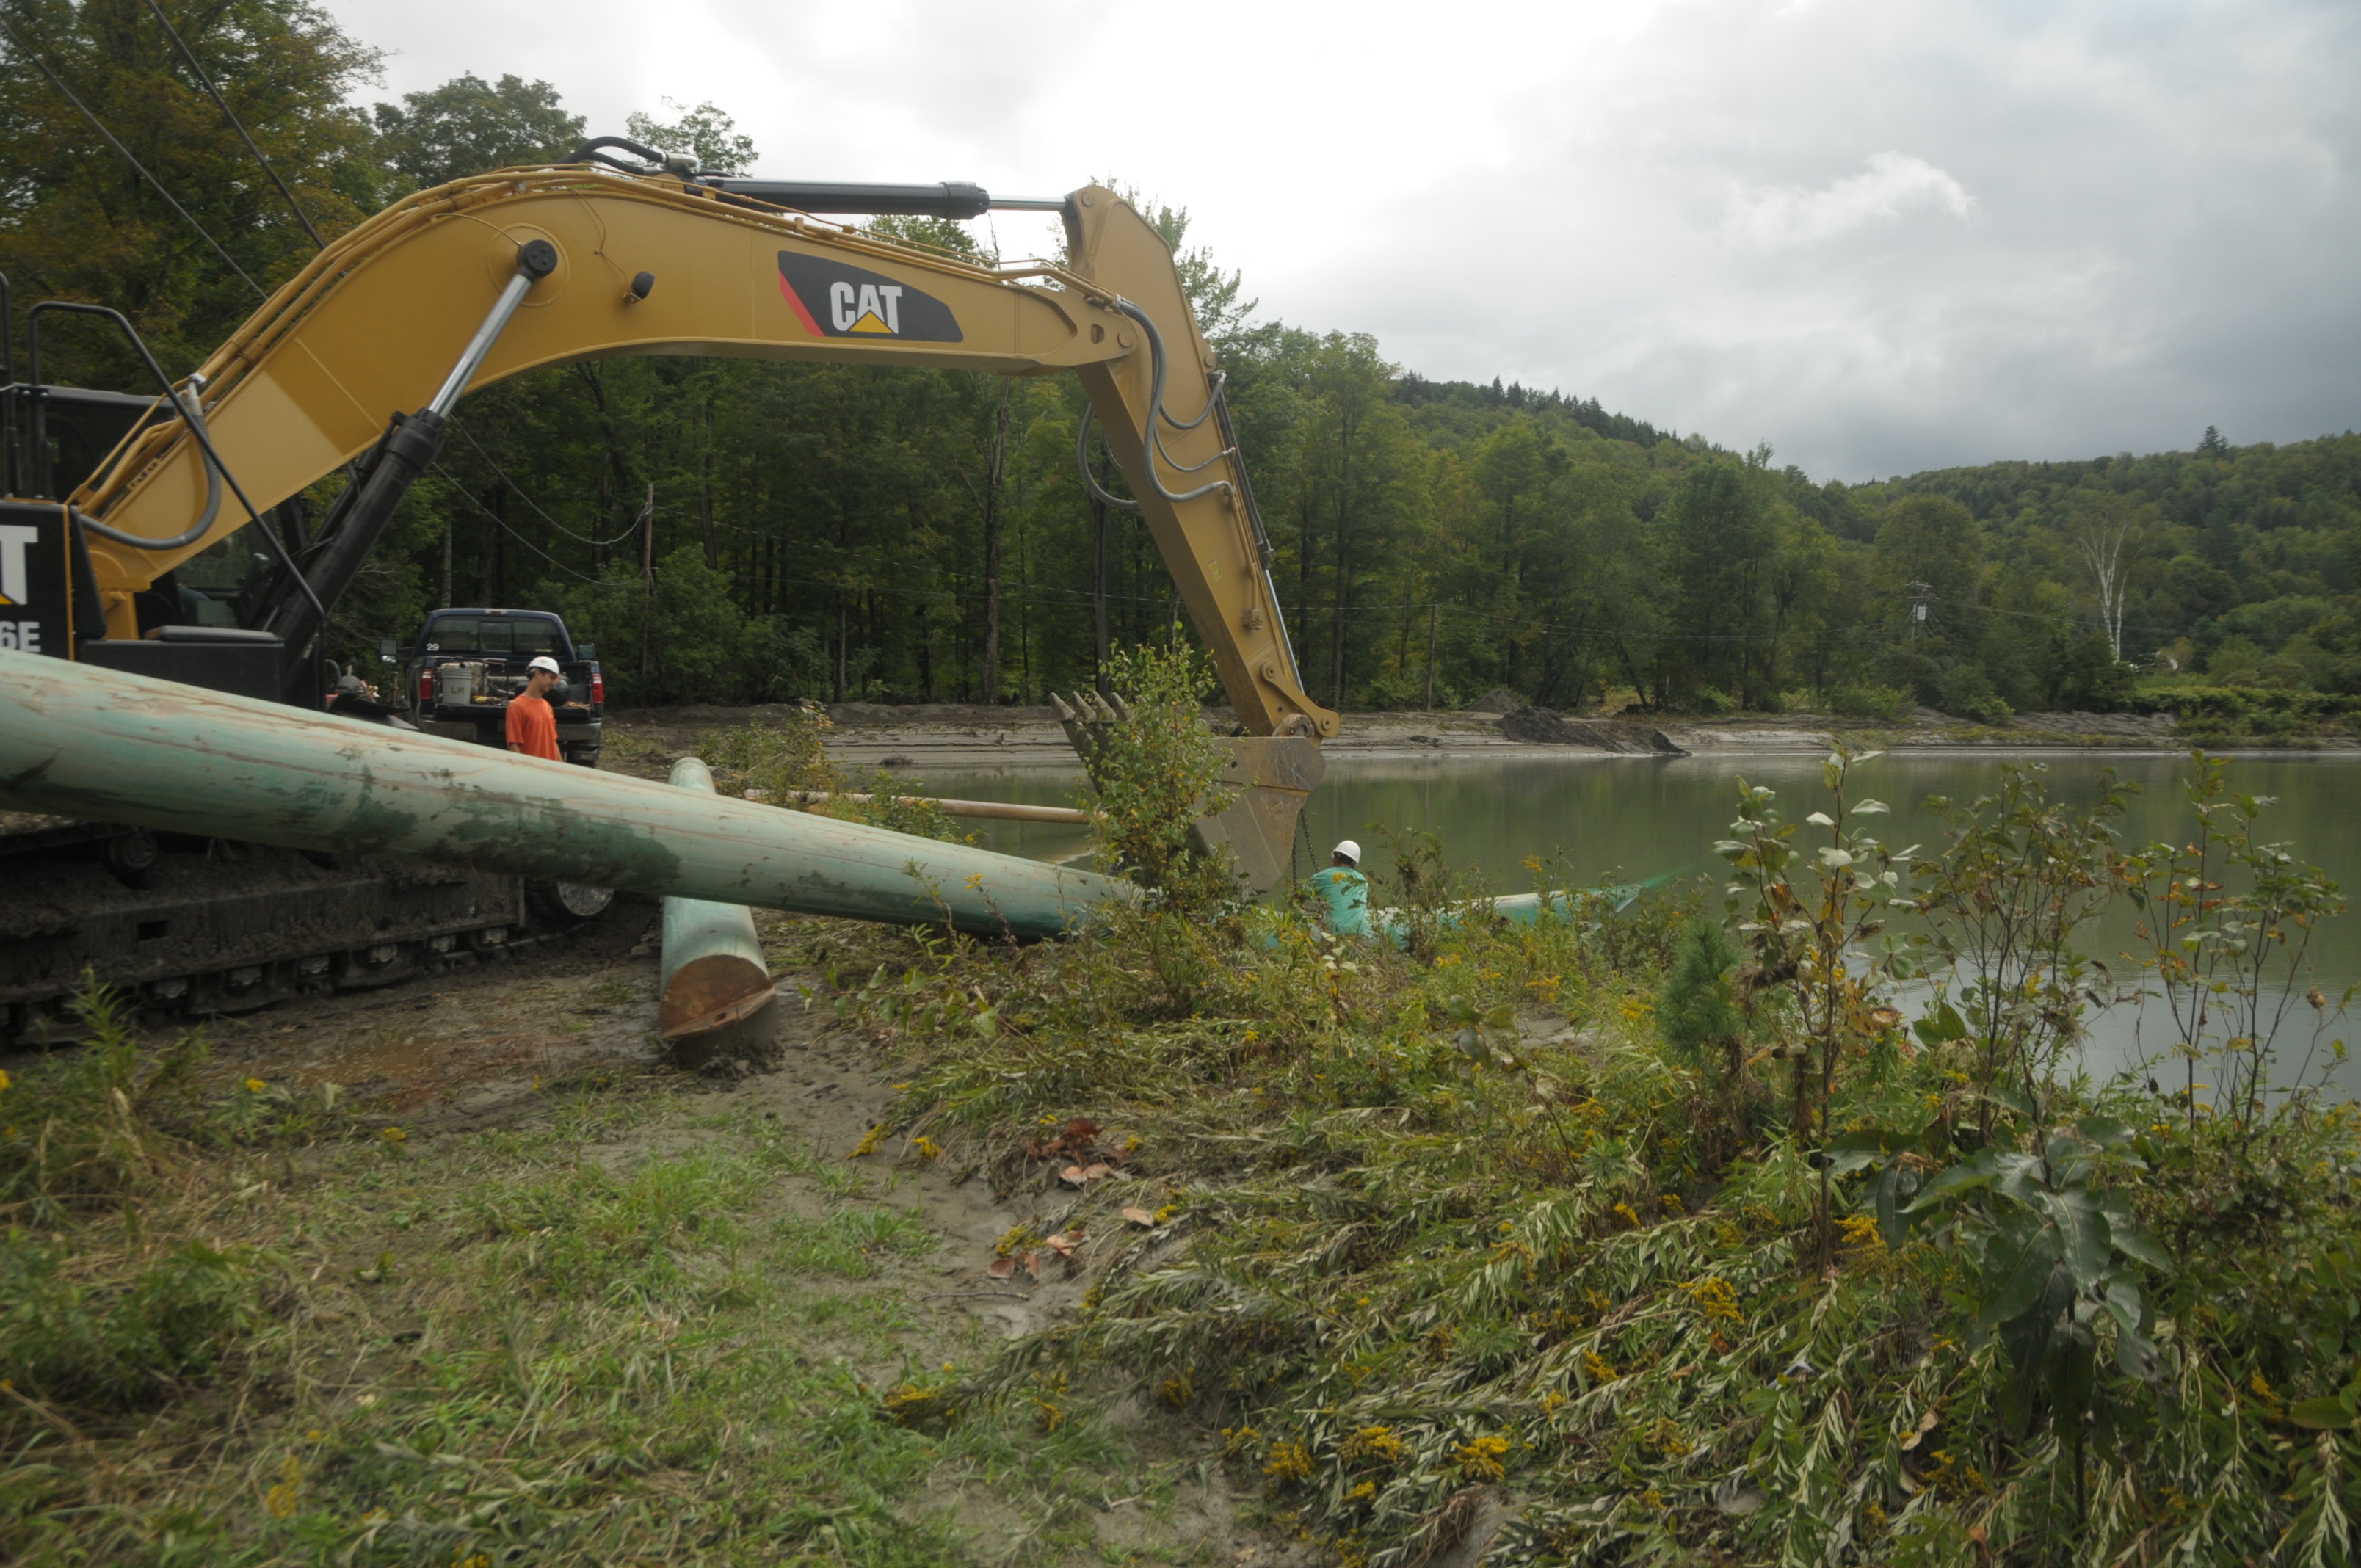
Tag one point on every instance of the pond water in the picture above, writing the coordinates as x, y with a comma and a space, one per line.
1615, 818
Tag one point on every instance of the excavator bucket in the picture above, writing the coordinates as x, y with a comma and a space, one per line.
1267, 778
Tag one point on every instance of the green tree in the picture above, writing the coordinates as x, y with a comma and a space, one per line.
704, 132
469, 126
1931, 540
83, 225
1720, 537
1349, 475
1927, 566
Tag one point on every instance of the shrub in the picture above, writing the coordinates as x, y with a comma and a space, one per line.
1697, 1010
779, 759
1965, 691
2213, 714
1889, 703
1155, 772
789, 760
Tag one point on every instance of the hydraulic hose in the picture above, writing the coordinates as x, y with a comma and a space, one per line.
1155, 444
216, 472
1083, 461
191, 410
1214, 383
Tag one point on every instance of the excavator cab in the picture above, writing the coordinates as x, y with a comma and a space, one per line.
55, 440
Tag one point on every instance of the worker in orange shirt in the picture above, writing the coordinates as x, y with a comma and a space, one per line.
532, 727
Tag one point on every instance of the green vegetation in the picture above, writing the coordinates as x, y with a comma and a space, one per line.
832, 532
1756, 1273
241, 1325
1664, 1236
783, 762
1154, 775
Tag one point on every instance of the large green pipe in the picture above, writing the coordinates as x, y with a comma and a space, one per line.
717, 984
96, 743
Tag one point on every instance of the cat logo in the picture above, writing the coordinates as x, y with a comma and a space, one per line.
833, 299
15, 540
36, 616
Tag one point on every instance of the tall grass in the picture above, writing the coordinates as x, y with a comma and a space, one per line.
1392, 1260
110, 1298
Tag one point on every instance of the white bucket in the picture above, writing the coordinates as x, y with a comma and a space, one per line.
456, 683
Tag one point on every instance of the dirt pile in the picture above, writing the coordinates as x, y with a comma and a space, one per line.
1539, 727
2136, 726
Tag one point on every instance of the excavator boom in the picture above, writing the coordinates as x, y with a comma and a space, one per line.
357, 361
646, 263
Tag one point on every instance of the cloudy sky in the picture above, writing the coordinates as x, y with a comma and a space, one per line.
1880, 235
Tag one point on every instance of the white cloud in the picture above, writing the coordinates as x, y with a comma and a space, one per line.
2093, 226
1896, 183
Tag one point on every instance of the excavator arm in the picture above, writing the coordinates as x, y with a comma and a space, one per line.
472, 282
651, 264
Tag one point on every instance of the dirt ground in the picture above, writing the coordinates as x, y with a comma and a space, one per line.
479, 1050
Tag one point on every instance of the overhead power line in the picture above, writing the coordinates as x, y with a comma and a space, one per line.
502, 524
518, 490
59, 82
236, 124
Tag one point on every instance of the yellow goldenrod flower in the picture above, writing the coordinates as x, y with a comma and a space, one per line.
1480, 1460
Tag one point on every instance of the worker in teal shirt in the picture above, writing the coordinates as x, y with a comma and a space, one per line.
1344, 891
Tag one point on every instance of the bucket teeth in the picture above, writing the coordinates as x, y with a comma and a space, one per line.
1075, 717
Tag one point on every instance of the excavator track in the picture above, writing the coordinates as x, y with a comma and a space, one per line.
199, 927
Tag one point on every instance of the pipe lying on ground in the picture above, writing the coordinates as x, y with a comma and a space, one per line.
1005, 811
717, 984
93, 743
1395, 925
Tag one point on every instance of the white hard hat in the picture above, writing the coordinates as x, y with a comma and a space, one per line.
1350, 850
545, 663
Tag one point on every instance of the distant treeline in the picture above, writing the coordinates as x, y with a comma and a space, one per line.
834, 532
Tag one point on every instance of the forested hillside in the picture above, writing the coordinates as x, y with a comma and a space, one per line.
891, 534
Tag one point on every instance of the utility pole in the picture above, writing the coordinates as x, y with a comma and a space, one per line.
647, 575
1429, 655
1099, 573
988, 672
1918, 592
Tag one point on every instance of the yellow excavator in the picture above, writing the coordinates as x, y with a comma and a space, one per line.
357, 361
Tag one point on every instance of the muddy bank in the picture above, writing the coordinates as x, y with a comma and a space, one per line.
938, 735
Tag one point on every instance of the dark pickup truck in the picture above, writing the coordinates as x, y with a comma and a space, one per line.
457, 674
